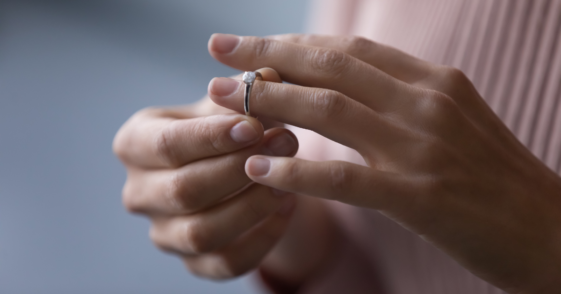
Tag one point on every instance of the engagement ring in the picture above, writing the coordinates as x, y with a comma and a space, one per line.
248, 78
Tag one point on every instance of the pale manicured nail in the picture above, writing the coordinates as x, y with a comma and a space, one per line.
224, 44
258, 166
223, 86
244, 132
287, 206
282, 145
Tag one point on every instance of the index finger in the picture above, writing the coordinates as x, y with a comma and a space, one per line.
164, 142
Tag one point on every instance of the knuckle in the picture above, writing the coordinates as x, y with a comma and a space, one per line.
120, 143
455, 76
327, 104
194, 267
195, 237
156, 238
358, 46
147, 112
439, 109
291, 174
329, 62
261, 47
452, 81
209, 138
296, 38
125, 137
228, 267
310, 39
442, 104
182, 194
340, 178
130, 199
260, 92
163, 147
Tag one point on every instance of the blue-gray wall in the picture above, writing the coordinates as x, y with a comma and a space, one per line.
71, 72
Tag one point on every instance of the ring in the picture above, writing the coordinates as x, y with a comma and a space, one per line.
248, 78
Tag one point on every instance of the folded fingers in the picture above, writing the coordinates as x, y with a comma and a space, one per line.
163, 142
245, 253
214, 228
200, 184
172, 137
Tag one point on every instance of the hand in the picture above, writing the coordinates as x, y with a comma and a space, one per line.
185, 168
440, 162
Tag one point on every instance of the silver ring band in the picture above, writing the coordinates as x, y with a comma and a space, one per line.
248, 78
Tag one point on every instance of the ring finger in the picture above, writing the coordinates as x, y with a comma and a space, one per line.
326, 112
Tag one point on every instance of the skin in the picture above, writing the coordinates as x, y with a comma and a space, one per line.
439, 162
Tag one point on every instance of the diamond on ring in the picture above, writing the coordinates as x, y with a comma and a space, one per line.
249, 78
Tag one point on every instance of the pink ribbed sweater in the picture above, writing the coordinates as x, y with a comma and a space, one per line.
511, 50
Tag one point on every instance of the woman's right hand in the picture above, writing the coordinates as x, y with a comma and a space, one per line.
185, 171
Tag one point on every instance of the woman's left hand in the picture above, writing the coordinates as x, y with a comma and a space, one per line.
440, 162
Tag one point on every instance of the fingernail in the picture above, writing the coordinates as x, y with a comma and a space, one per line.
243, 132
287, 206
282, 145
258, 166
224, 44
223, 86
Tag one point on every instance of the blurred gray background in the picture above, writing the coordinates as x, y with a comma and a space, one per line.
71, 72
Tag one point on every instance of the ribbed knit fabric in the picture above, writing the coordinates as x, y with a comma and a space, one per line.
511, 50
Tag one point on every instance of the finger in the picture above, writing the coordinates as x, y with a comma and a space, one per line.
204, 108
337, 180
134, 146
158, 142
215, 228
270, 75
246, 253
392, 61
314, 67
201, 184
404, 67
327, 112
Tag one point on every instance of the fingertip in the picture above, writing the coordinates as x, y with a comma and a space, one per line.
281, 142
222, 92
223, 87
256, 123
223, 43
270, 75
244, 132
257, 166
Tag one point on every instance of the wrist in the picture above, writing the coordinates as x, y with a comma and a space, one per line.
542, 191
